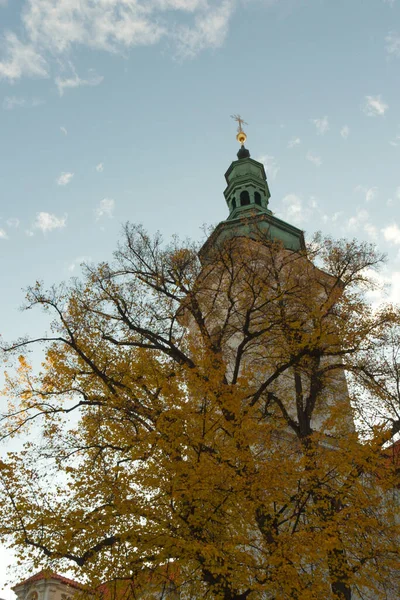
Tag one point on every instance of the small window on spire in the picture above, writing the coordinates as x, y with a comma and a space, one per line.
257, 198
233, 203
244, 198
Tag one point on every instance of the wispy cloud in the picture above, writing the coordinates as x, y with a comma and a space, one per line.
294, 142
393, 44
52, 30
293, 208
47, 222
64, 178
75, 81
371, 231
100, 167
374, 106
209, 30
13, 222
77, 262
391, 233
297, 210
356, 220
370, 193
64, 130
21, 60
332, 218
270, 164
361, 221
386, 288
11, 102
344, 132
3, 235
105, 208
315, 159
396, 141
322, 125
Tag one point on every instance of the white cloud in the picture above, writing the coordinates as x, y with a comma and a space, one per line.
77, 262
293, 209
394, 295
313, 203
47, 222
360, 222
105, 208
13, 222
322, 125
53, 29
270, 164
100, 167
333, 218
387, 286
110, 25
3, 2
391, 233
208, 31
344, 132
64, 178
393, 44
374, 106
396, 141
63, 130
316, 160
75, 81
3, 235
370, 194
298, 211
359, 219
371, 231
11, 102
21, 60
336, 216
294, 142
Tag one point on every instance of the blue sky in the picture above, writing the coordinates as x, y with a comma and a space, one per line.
116, 110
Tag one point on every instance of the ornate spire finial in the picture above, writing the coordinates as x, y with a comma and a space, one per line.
241, 136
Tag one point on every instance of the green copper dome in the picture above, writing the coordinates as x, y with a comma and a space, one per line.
247, 196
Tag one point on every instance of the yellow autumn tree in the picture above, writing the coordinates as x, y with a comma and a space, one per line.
194, 425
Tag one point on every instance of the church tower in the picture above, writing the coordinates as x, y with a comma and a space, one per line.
247, 196
246, 235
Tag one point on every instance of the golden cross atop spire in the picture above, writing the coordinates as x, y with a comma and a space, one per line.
241, 136
241, 122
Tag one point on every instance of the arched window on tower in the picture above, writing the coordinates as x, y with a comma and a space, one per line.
244, 198
233, 203
257, 198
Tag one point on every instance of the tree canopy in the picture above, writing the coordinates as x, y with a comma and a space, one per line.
194, 424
